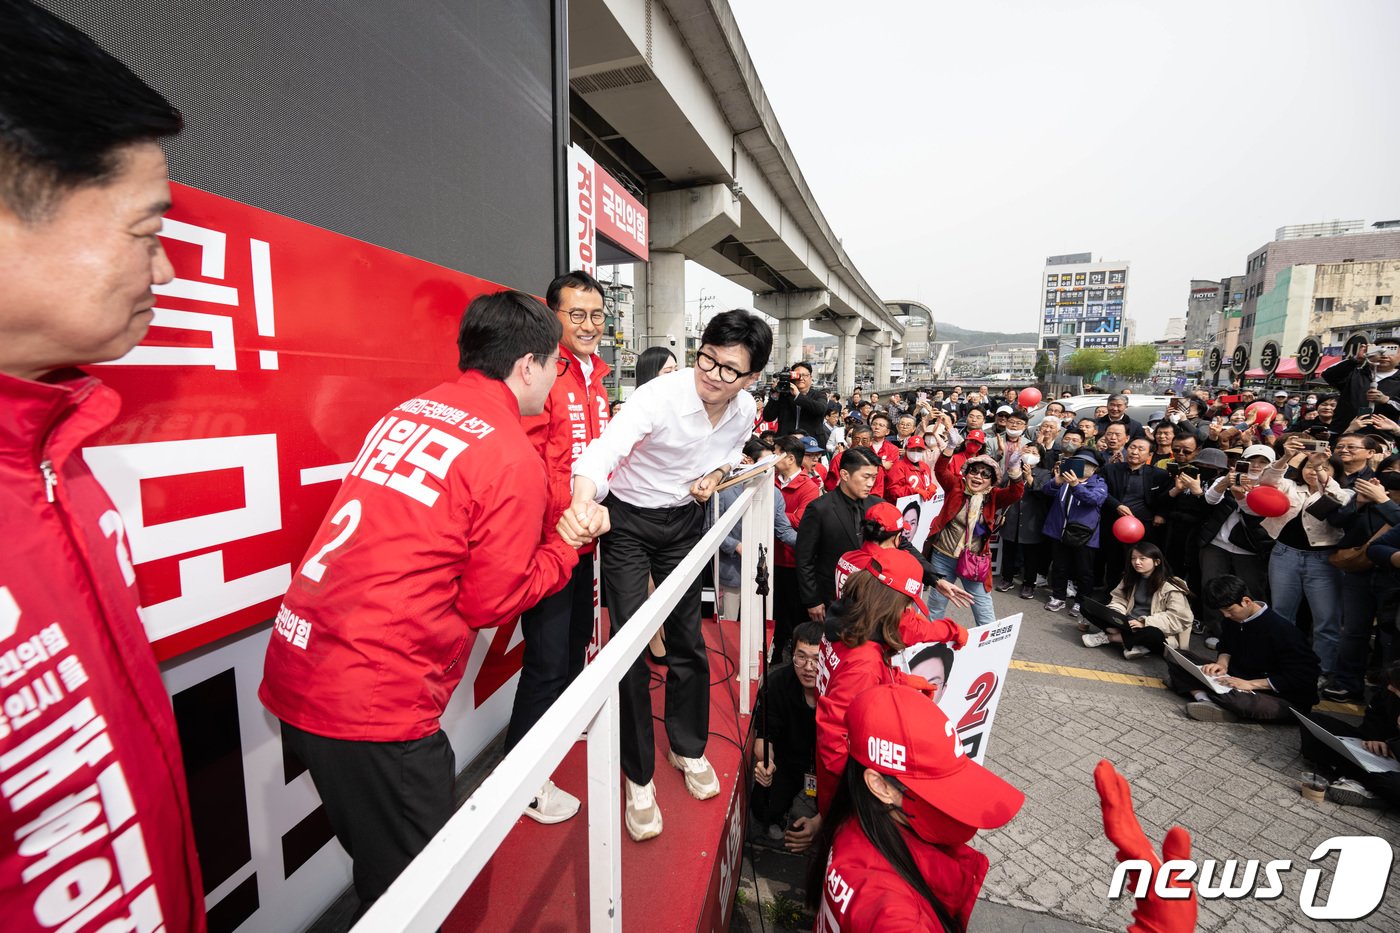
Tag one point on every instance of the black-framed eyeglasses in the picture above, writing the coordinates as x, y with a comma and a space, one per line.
578, 316
708, 364
561, 362
985, 474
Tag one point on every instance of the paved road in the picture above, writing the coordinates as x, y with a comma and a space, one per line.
1233, 786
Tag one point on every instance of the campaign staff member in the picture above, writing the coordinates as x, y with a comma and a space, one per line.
653, 467
558, 629
436, 532
94, 787
893, 852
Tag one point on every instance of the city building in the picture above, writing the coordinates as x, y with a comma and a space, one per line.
919, 334
1083, 304
1330, 301
1325, 244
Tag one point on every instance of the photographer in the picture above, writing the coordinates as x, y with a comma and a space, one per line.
796, 406
1183, 505
1367, 381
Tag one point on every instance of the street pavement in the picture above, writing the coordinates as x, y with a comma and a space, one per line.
1234, 787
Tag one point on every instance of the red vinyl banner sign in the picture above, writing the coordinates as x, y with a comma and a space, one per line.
273, 351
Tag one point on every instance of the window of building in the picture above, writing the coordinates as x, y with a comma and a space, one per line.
1323, 305
1382, 299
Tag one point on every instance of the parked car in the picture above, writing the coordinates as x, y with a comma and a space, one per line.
1141, 408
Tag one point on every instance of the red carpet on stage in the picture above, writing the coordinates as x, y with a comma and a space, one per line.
681, 880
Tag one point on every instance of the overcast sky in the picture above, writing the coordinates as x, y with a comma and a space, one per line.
953, 146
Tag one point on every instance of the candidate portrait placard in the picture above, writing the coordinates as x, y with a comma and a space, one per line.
919, 515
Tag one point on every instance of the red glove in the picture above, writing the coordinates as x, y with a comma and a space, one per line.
1153, 914
921, 685
959, 638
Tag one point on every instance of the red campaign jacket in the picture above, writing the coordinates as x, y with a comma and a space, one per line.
907, 478
573, 417
92, 783
434, 534
833, 476
801, 492
864, 894
845, 673
955, 498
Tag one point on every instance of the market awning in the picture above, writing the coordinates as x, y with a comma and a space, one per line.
1288, 368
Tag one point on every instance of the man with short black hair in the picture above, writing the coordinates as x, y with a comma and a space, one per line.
784, 802
801, 409
686, 424
558, 629
96, 822
437, 531
1264, 660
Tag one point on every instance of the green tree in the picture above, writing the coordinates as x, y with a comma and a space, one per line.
1134, 362
1087, 362
1042, 366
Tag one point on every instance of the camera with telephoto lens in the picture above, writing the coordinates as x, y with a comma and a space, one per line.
783, 382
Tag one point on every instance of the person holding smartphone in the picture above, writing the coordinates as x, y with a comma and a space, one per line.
1367, 381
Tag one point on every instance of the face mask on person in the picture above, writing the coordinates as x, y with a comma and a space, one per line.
1312, 399
1174, 417
933, 825
1030, 459
1069, 446
1015, 432
915, 456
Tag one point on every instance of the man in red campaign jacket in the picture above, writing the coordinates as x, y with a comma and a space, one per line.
95, 830
558, 629
436, 532
911, 475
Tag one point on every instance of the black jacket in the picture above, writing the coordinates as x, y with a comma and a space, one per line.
831, 527
1351, 379
804, 414
1270, 646
1360, 520
1116, 477
1134, 429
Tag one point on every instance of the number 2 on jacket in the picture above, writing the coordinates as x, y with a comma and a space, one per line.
349, 514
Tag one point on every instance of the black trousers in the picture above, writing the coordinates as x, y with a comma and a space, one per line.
648, 544
1385, 784
1149, 636
385, 800
1072, 563
787, 610
557, 632
770, 804
1030, 559
1257, 707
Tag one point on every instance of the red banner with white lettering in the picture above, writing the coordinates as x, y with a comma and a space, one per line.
272, 353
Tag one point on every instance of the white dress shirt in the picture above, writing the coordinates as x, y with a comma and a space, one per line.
661, 442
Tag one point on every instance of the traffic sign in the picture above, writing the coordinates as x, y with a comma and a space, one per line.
1239, 360
1309, 355
1269, 356
1213, 360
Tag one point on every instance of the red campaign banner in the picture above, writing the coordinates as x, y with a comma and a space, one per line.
271, 354
618, 215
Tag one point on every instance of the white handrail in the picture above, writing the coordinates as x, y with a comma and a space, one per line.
432, 885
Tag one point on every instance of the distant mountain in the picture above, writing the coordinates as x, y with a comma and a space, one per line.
981, 338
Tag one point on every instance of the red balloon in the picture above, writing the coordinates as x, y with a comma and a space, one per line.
1128, 530
1260, 412
1029, 397
1266, 501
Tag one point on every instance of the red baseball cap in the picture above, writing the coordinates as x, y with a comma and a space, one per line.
888, 517
898, 731
914, 442
899, 570
976, 435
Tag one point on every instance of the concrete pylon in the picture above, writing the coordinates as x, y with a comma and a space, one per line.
883, 340
846, 360
793, 310
684, 223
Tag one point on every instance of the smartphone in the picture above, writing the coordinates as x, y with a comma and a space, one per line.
1320, 447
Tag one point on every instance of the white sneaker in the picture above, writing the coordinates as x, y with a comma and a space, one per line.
1072, 589
1351, 793
700, 778
552, 805
1137, 651
1094, 640
1041, 581
642, 817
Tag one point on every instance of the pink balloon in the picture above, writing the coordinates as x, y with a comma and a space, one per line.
1128, 530
1259, 412
1266, 501
1029, 397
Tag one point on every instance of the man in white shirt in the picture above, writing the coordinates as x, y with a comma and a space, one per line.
653, 467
